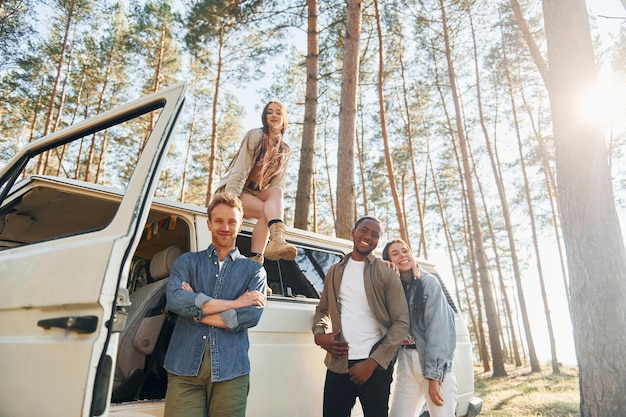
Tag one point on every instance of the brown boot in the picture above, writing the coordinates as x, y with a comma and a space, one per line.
278, 248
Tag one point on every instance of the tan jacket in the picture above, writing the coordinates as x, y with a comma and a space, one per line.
385, 296
241, 165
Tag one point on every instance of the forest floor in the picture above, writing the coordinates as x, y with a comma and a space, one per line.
525, 394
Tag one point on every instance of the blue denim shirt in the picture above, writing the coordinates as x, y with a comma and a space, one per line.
229, 347
435, 334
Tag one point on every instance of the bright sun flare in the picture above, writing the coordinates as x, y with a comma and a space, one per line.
605, 103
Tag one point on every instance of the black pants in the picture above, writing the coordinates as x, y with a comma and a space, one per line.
340, 393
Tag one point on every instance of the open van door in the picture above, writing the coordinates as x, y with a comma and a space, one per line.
62, 280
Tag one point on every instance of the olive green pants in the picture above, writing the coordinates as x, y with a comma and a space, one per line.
198, 396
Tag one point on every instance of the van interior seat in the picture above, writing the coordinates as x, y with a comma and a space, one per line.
143, 325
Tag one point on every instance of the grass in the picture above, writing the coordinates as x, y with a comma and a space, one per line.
525, 394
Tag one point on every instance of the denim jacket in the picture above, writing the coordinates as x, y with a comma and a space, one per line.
229, 347
435, 332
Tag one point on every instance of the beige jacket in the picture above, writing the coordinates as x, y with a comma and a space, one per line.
385, 296
241, 165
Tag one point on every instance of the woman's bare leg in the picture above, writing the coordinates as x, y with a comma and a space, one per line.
265, 206
273, 206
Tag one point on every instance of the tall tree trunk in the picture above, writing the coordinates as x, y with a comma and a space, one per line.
314, 198
531, 215
422, 249
491, 234
383, 131
360, 156
78, 99
500, 186
482, 344
543, 70
469, 245
66, 77
496, 255
57, 80
596, 255
532, 353
216, 91
347, 122
333, 212
309, 129
114, 47
101, 98
485, 281
517, 276
530, 41
158, 78
33, 124
190, 136
553, 196
452, 254
38, 106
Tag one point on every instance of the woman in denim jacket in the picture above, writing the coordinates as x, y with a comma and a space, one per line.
257, 176
424, 366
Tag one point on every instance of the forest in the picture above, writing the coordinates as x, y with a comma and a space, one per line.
438, 117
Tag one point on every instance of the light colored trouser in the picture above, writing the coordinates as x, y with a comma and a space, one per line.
411, 389
198, 396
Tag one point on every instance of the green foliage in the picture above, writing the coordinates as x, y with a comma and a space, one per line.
155, 41
16, 23
210, 18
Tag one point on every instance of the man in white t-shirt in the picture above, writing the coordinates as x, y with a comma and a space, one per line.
361, 320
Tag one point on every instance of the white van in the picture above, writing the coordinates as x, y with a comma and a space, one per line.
83, 328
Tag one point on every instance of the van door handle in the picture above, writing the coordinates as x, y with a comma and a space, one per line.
78, 324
